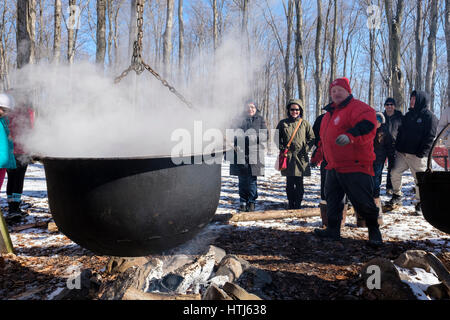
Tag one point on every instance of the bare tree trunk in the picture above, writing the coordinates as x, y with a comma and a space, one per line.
26, 32
57, 33
287, 56
109, 9
431, 67
133, 28
394, 24
167, 44
419, 45
299, 51
116, 36
318, 58
71, 33
215, 21
447, 41
101, 32
180, 39
40, 46
333, 45
372, 66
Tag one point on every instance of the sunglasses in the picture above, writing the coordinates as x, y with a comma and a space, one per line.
294, 109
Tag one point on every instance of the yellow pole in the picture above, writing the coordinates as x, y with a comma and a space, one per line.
5, 240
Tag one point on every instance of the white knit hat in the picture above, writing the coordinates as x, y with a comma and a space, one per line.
6, 101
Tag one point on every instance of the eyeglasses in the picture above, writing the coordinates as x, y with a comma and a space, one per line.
294, 109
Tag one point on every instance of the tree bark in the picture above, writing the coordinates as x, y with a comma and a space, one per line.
396, 75
299, 51
101, 32
318, 58
333, 45
180, 39
447, 41
287, 55
71, 34
431, 67
26, 32
167, 44
215, 29
110, 11
372, 67
133, 29
419, 45
57, 33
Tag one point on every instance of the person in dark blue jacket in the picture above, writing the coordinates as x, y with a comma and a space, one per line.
414, 140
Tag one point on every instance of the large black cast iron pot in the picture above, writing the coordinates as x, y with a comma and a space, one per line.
434, 188
131, 206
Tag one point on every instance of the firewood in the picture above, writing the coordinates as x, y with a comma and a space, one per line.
275, 214
38, 224
135, 294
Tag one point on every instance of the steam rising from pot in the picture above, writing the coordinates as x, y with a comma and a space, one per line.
82, 113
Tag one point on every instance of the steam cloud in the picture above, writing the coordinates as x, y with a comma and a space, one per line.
80, 113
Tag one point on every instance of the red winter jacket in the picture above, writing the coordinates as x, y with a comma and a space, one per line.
20, 120
357, 120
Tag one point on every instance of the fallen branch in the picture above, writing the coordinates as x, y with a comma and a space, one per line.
39, 224
275, 214
135, 294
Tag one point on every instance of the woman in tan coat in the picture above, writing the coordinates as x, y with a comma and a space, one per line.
297, 156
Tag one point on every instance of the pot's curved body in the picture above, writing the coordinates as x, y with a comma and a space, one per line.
434, 188
131, 207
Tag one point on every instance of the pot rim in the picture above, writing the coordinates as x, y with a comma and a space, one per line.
129, 158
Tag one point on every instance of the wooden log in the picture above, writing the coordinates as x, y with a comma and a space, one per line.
135, 294
269, 215
275, 214
438, 267
39, 224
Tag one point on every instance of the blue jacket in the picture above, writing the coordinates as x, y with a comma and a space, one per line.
7, 159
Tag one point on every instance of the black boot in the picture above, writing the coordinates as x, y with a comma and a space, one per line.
250, 207
243, 207
375, 238
14, 208
332, 232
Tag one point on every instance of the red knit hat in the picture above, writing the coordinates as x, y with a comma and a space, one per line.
342, 82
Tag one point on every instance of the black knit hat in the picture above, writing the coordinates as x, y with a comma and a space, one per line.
390, 100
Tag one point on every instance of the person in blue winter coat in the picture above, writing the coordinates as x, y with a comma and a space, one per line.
7, 160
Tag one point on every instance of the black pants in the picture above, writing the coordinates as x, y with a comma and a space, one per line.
16, 177
358, 187
294, 191
323, 175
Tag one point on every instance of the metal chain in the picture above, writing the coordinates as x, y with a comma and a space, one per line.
138, 65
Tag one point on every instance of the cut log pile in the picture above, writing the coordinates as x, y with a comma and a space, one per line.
210, 276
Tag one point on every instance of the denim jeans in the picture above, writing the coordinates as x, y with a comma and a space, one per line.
248, 189
378, 169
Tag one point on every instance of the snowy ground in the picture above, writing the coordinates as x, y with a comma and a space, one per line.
45, 260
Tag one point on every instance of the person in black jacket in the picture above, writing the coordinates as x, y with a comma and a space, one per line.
249, 155
393, 122
384, 148
414, 140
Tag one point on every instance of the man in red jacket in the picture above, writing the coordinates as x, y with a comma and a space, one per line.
347, 133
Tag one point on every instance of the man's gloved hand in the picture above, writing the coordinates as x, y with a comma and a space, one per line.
342, 140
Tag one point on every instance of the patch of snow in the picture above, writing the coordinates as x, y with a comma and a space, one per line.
418, 280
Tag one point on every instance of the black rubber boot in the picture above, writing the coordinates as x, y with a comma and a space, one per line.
250, 207
14, 208
243, 207
332, 232
375, 238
